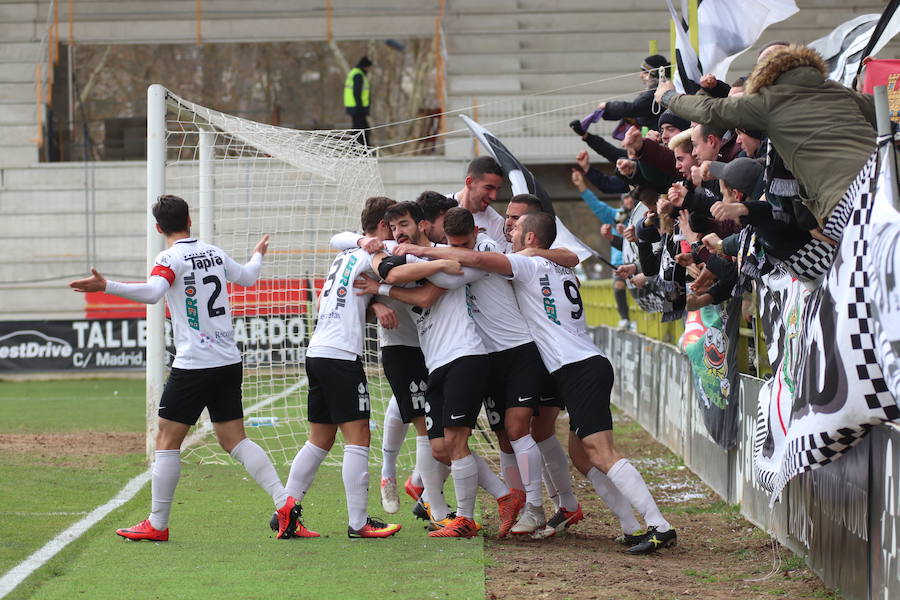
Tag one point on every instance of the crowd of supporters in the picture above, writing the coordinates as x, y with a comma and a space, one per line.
727, 183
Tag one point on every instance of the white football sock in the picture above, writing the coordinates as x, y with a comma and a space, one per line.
633, 487
356, 484
465, 481
434, 474
488, 480
394, 435
303, 470
617, 503
509, 470
166, 471
548, 483
256, 461
558, 467
415, 477
528, 455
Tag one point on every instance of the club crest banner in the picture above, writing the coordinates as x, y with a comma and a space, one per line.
832, 375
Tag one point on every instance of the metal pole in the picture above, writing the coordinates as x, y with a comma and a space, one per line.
156, 186
883, 120
207, 180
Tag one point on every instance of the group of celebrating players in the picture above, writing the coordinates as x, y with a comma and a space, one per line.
472, 309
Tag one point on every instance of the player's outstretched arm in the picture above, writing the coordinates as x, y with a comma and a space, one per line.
148, 293
561, 256
424, 295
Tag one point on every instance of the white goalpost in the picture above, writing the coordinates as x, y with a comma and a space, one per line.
243, 179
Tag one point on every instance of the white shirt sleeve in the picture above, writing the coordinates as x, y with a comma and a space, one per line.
523, 267
451, 282
345, 240
245, 275
149, 293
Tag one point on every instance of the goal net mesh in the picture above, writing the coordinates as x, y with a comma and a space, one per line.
300, 187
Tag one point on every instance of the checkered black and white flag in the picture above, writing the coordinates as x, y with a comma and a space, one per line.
846, 346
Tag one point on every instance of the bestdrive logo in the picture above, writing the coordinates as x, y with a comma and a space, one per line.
29, 343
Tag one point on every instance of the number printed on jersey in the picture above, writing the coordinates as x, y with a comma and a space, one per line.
343, 264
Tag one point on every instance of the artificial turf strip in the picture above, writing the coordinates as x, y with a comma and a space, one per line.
221, 546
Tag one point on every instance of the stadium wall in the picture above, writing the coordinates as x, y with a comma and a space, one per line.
843, 518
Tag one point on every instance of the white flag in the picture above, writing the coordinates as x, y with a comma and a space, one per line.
843, 48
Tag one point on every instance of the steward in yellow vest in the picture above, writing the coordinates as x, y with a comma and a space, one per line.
356, 94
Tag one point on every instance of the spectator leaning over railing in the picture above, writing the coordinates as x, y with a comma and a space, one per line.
640, 110
823, 130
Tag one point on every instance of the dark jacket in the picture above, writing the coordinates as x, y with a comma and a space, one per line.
639, 109
822, 130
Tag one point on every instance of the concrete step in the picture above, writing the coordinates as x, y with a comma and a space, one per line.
16, 93
17, 72
18, 113
18, 156
56, 302
464, 42
213, 9
20, 32
546, 62
606, 85
549, 149
252, 29
17, 135
421, 171
71, 176
21, 51
20, 12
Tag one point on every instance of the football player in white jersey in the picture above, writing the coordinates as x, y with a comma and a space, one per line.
518, 377
557, 477
338, 392
458, 368
207, 368
550, 302
484, 178
404, 367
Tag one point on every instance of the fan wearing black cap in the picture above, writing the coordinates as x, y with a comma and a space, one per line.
640, 109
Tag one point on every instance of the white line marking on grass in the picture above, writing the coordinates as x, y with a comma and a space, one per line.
19, 513
17, 574
12, 578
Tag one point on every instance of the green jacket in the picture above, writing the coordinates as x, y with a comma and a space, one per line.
823, 130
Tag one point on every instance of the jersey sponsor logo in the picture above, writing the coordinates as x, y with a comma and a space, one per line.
190, 303
549, 302
203, 261
342, 291
206, 341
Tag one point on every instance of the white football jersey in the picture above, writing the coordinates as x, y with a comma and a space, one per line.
447, 330
340, 328
197, 297
551, 304
405, 334
494, 308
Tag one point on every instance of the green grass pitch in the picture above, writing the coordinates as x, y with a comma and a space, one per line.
220, 545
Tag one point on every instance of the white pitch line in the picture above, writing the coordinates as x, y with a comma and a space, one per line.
12, 578
17, 574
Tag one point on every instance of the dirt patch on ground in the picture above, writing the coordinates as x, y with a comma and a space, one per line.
82, 444
719, 554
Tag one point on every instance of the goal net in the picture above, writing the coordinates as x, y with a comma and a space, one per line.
243, 179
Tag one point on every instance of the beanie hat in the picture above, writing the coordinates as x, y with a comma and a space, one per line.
364, 62
742, 174
674, 120
654, 62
